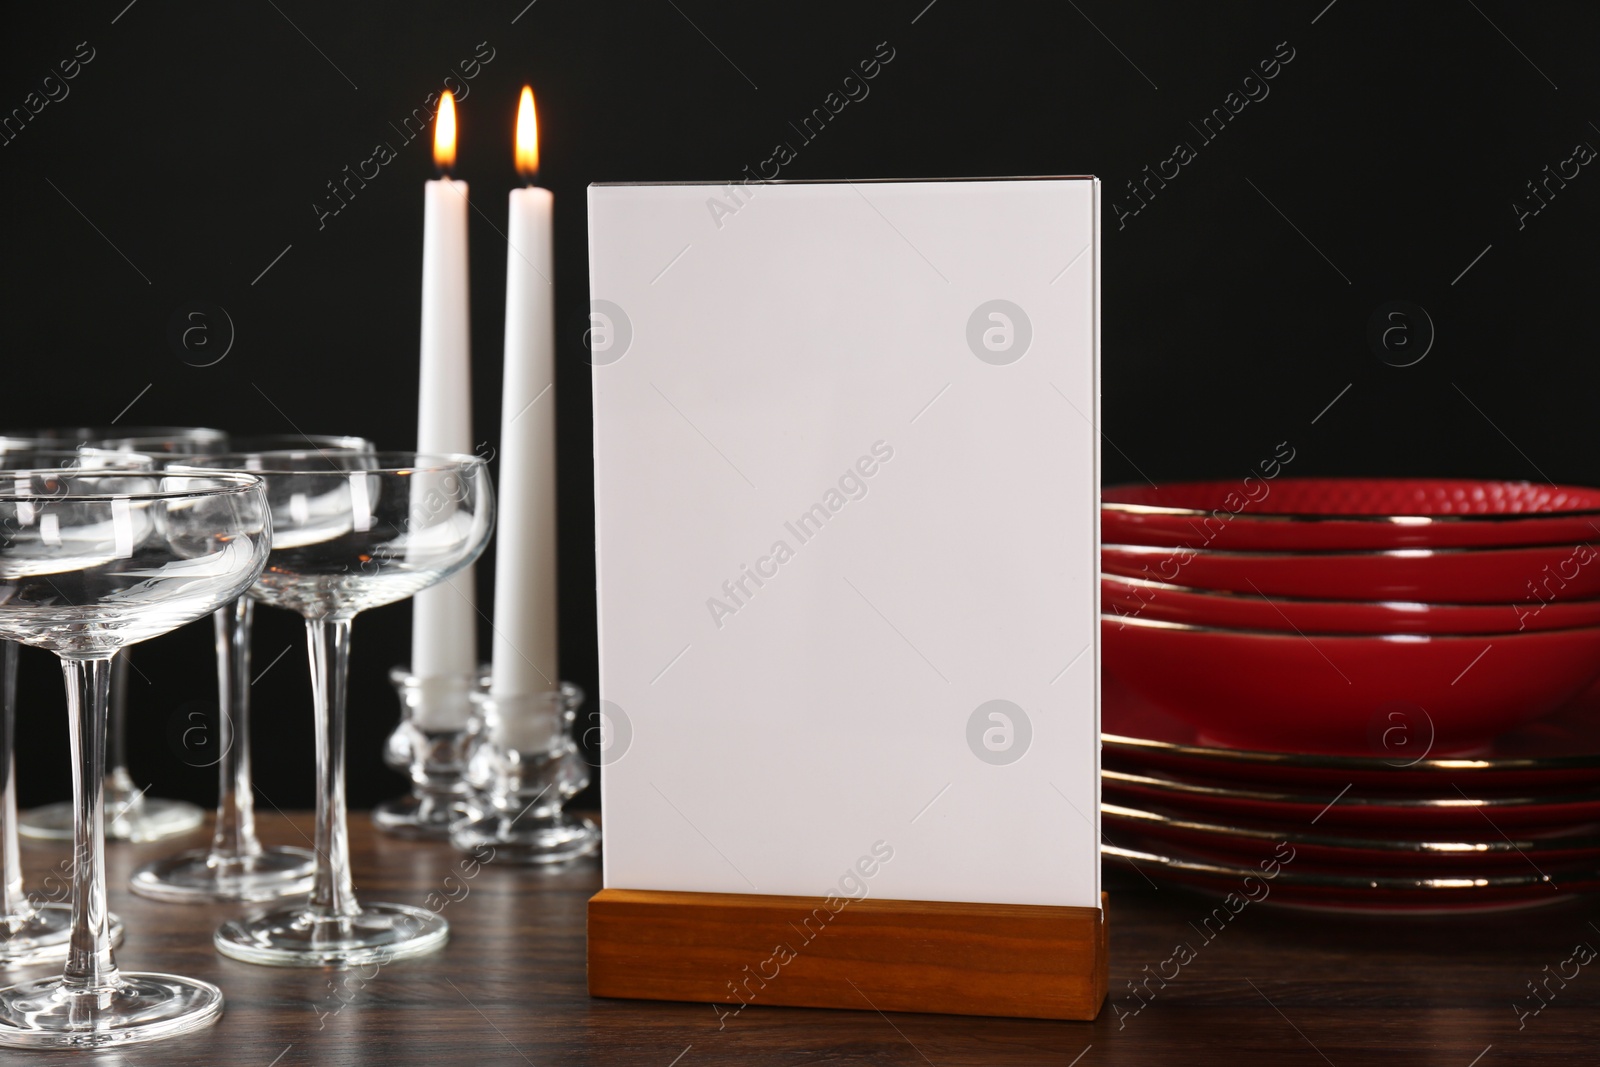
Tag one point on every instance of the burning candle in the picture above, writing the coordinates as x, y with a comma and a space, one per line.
526, 662
444, 620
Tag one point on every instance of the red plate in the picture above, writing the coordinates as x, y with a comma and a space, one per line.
1349, 513
1528, 576
1560, 752
1324, 891
1332, 809
1477, 851
1134, 597
1347, 694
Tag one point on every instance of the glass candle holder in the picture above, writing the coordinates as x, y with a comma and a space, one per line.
439, 723
524, 767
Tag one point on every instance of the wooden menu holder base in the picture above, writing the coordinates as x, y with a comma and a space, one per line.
734, 949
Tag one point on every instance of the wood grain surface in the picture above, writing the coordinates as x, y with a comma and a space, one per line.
1271, 987
736, 950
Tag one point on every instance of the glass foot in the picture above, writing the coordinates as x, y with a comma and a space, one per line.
412, 816
271, 874
146, 819
43, 936
143, 1007
525, 839
296, 937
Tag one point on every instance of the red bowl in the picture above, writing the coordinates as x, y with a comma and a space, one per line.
1136, 598
1260, 514
1529, 576
1345, 694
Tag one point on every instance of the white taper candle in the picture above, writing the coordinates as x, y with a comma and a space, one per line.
444, 618
526, 645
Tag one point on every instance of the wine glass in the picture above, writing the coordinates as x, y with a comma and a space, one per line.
237, 866
33, 931
353, 531
135, 815
93, 561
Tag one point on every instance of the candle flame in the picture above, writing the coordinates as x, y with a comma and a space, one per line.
527, 136
444, 134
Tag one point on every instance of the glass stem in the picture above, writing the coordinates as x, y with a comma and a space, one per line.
121, 792
14, 903
235, 834
328, 641
90, 967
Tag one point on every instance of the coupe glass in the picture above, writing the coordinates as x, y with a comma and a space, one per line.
117, 437
90, 562
31, 930
353, 531
237, 866
134, 815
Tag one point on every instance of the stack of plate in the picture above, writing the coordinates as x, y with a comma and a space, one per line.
1515, 826
1352, 693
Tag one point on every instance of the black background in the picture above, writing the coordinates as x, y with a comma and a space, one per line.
1386, 158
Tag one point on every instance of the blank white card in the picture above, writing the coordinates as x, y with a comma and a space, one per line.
847, 484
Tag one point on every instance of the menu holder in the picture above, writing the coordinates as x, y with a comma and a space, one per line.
847, 516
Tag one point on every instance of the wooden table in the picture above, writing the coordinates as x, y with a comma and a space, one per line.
1273, 987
